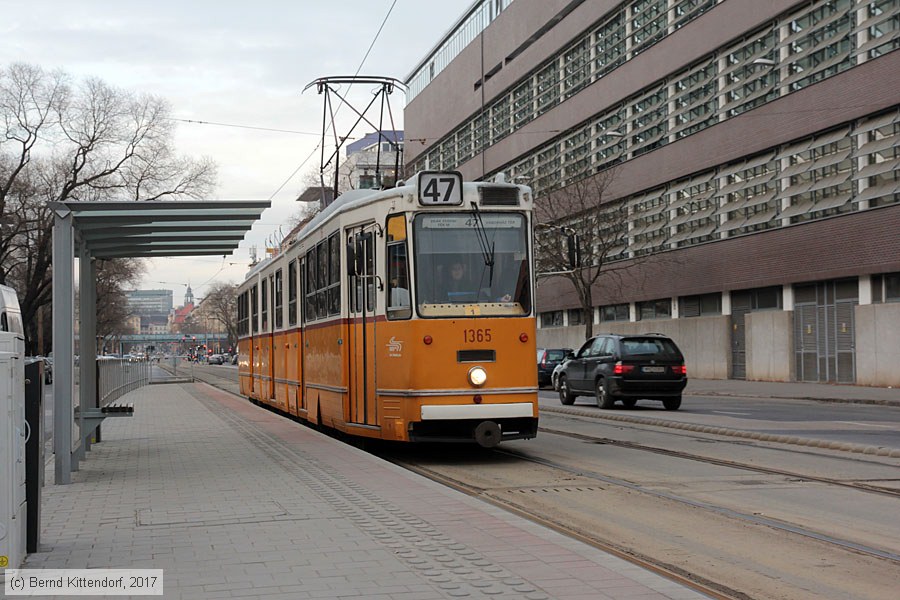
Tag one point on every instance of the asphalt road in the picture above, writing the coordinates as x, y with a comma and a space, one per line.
860, 424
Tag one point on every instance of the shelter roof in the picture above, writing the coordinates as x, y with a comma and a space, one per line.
161, 228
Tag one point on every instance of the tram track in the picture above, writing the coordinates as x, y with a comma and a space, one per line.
724, 511
799, 477
658, 564
672, 572
722, 581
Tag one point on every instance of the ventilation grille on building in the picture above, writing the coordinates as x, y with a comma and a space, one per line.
500, 196
464, 356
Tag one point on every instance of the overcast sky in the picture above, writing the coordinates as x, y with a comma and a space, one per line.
237, 63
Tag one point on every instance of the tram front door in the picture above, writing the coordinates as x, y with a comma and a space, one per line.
361, 326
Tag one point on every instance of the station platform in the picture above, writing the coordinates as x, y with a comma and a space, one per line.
233, 501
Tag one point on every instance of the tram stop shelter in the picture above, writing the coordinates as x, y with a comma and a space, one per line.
92, 231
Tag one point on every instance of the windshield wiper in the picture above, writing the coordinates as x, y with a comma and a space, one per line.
487, 248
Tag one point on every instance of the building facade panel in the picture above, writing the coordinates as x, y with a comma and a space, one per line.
690, 43
752, 151
856, 244
877, 349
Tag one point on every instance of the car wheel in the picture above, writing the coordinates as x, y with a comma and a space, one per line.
629, 402
672, 403
604, 400
565, 396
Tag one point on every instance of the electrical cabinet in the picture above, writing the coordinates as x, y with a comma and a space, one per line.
13, 433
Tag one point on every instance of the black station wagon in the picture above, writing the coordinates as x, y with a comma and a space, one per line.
626, 368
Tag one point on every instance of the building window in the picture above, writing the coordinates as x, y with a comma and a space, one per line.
892, 287
654, 309
886, 288
553, 318
768, 298
576, 316
820, 43
615, 312
700, 306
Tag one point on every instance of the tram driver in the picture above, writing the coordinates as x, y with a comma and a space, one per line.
457, 285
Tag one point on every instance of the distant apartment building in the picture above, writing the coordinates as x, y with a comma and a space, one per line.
755, 145
372, 162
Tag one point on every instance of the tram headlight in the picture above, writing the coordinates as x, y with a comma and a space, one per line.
477, 376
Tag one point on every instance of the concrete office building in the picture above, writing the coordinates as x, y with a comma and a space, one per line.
756, 145
147, 303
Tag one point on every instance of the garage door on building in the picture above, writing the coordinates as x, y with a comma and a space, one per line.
824, 331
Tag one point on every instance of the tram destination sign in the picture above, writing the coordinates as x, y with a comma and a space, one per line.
468, 221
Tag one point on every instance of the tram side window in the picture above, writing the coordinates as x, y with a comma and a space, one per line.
265, 304
334, 275
278, 297
254, 308
322, 278
242, 320
355, 282
309, 286
292, 293
398, 301
370, 271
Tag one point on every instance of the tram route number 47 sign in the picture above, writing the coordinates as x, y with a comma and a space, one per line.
440, 188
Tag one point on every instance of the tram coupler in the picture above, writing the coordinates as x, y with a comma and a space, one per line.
488, 434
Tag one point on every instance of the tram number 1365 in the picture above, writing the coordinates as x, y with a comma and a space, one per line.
476, 335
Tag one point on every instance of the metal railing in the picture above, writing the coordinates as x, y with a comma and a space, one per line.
118, 376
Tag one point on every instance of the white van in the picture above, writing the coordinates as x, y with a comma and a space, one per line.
10, 314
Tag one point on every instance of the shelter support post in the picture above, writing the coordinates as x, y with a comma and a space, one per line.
87, 347
63, 342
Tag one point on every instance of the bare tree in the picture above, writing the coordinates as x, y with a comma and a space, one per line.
60, 142
221, 304
581, 212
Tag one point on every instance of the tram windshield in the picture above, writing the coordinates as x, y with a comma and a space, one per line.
471, 264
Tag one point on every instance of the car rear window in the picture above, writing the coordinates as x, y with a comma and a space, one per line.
649, 347
556, 354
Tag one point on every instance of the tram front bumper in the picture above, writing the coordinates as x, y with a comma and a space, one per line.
508, 410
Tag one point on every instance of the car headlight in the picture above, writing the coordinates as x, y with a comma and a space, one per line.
477, 376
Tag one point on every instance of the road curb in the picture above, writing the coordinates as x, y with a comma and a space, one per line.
725, 431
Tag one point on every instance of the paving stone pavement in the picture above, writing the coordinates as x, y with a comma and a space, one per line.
233, 501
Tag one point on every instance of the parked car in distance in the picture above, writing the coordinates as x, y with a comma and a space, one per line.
234, 359
215, 359
554, 377
626, 368
547, 359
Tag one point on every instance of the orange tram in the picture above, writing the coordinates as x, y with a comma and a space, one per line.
404, 314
